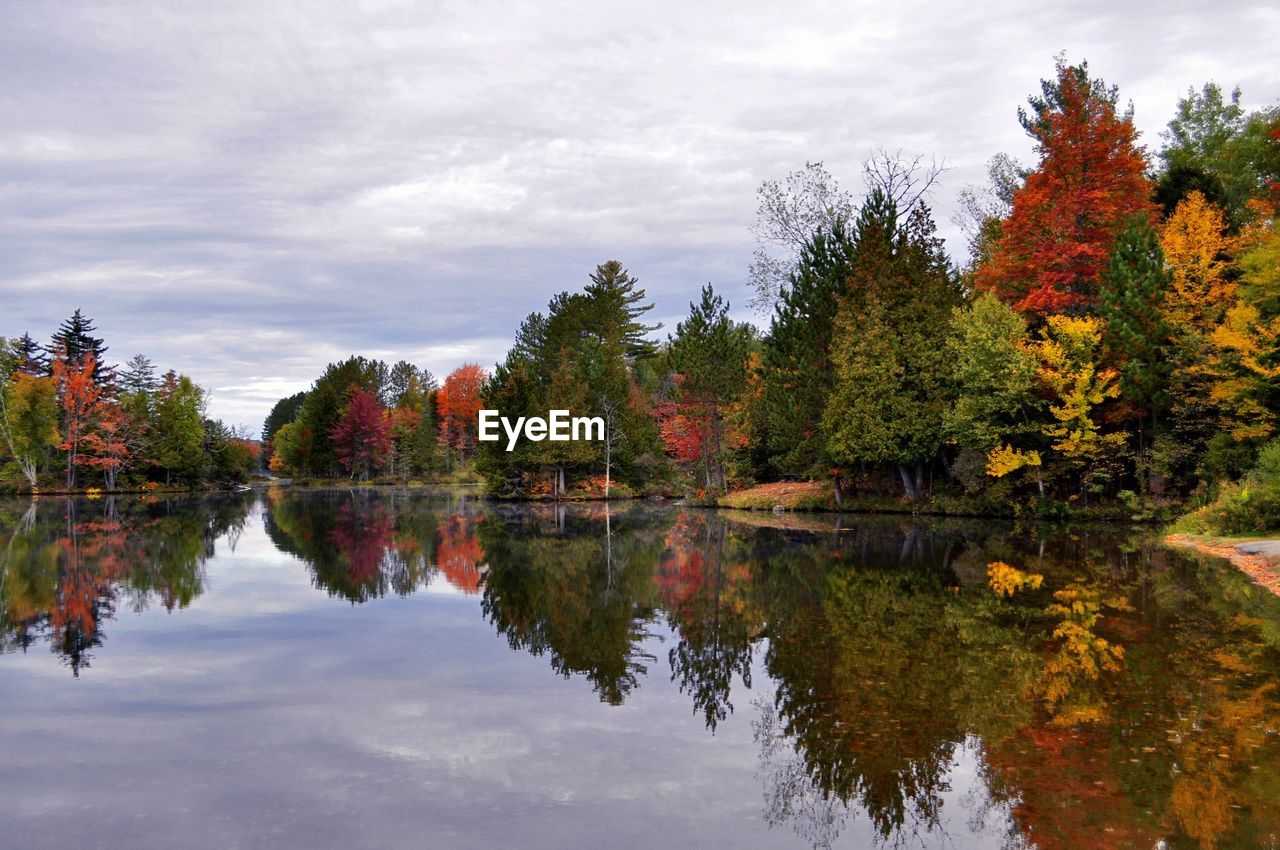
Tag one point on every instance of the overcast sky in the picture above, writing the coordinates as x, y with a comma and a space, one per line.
246, 191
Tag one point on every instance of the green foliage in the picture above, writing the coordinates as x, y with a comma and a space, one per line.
796, 367
1132, 297
888, 402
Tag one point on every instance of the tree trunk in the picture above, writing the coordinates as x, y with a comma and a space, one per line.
907, 483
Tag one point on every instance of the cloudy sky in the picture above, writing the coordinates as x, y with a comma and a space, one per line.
246, 191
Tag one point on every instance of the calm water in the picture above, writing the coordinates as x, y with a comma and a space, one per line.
358, 669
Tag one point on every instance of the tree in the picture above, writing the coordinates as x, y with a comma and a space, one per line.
993, 372
790, 211
1087, 185
983, 208
458, 408
1245, 357
1136, 335
1197, 250
75, 341
797, 369
29, 357
1212, 146
178, 438
285, 458
109, 446
709, 352
282, 413
615, 309
1069, 352
78, 397
139, 376
362, 437
29, 421
323, 407
888, 397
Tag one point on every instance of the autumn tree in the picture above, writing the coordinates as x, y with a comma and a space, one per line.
362, 437
323, 407
110, 445
29, 413
1071, 371
1245, 360
1198, 252
1088, 183
458, 407
78, 397
993, 372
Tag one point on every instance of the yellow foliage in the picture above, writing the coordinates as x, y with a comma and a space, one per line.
1006, 459
1068, 354
1006, 580
1197, 250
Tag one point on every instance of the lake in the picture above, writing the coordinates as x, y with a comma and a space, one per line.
363, 669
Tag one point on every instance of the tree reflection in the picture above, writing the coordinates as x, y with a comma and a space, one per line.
578, 588
67, 565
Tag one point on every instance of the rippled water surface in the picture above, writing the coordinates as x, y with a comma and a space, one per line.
359, 669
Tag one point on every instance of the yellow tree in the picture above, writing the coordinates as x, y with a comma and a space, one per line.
1245, 360
1069, 352
1197, 250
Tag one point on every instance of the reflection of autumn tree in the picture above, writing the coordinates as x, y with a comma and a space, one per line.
359, 545
883, 669
1178, 745
67, 566
459, 556
576, 587
705, 582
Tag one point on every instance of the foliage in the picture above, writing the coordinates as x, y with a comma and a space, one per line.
1090, 180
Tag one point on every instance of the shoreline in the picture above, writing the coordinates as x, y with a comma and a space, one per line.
1258, 558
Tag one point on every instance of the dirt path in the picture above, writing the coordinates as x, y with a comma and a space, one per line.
1258, 559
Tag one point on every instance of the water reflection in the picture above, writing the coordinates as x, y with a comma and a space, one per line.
67, 565
1103, 691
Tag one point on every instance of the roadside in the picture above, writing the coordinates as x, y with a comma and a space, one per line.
1257, 558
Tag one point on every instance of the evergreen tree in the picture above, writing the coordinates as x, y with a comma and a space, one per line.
796, 357
709, 351
139, 376
1133, 291
30, 358
889, 396
282, 413
615, 308
75, 337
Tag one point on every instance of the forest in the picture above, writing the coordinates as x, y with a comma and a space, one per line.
70, 421
1111, 342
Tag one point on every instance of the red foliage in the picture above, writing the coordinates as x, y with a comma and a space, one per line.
685, 428
78, 396
458, 405
362, 437
1090, 181
458, 555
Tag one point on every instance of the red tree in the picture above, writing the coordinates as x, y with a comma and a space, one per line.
362, 437
78, 396
458, 406
1090, 181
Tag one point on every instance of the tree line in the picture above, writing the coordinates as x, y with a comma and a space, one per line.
69, 420
1113, 332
